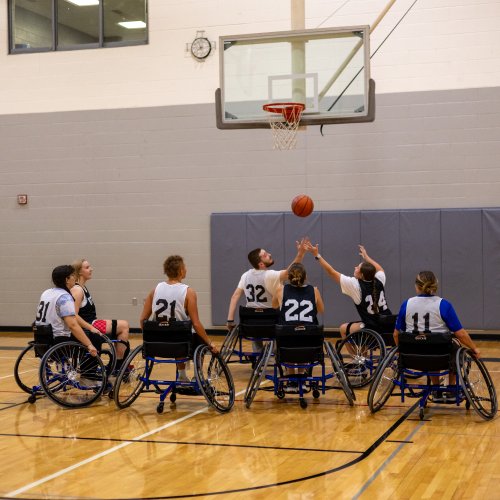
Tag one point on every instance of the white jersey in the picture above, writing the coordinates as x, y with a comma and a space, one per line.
55, 304
259, 286
169, 300
423, 314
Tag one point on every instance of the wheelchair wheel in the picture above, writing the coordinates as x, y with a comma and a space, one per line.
339, 373
229, 344
26, 371
130, 380
214, 379
476, 384
258, 374
361, 353
108, 355
383, 382
71, 377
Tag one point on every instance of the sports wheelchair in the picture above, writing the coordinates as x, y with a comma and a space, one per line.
298, 347
64, 371
255, 324
362, 351
167, 343
432, 355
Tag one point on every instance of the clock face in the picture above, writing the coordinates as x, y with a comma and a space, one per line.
201, 48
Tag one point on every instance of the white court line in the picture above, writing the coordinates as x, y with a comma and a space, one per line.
45, 479
20, 373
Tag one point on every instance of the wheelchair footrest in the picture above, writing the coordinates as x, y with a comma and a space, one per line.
187, 391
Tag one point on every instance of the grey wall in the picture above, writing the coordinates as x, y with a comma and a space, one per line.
127, 187
459, 245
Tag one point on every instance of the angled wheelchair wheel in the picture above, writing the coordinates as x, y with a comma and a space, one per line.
477, 384
258, 374
214, 379
70, 376
384, 381
339, 373
361, 353
26, 371
108, 355
130, 380
229, 344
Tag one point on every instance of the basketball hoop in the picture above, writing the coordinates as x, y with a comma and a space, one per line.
284, 127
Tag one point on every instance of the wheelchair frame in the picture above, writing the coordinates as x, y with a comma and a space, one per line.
316, 384
171, 342
473, 384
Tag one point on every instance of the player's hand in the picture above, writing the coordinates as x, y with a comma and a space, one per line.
362, 252
312, 248
95, 330
476, 352
213, 349
92, 350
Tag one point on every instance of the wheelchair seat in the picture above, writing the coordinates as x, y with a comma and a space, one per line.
258, 322
43, 339
426, 351
168, 339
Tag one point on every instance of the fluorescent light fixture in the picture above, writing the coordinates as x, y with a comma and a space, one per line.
133, 25
83, 3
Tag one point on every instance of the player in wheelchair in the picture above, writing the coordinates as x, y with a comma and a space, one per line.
175, 337
61, 362
298, 345
431, 342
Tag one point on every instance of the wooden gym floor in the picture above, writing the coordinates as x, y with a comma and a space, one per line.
274, 450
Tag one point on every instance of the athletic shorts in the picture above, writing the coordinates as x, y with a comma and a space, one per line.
100, 324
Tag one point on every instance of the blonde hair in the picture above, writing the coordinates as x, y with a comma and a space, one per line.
297, 274
77, 266
427, 282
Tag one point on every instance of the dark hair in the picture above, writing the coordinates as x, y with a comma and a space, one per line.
173, 265
60, 274
368, 271
297, 274
427, 282
254, 257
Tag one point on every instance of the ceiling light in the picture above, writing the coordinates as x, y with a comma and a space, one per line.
83, 3
133, 25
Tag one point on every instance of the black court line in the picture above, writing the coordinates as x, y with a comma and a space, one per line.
192, 443
398, 441
356, 460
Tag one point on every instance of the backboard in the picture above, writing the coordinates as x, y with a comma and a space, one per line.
328, 70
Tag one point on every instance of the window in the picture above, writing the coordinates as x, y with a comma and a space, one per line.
46, 25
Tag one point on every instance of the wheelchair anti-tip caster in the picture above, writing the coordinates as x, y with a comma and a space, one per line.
173, 397
32, 399
315, 394
159, 408
303, 403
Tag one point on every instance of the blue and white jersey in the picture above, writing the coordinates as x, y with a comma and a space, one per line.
427, 313
55, 304
169, 300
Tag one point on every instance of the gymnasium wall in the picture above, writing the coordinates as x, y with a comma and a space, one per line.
118, 151
459, 245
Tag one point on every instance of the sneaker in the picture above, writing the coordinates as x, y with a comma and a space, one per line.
183, 378
291, 387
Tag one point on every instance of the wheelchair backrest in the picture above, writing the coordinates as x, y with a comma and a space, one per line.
299, 343
258, 322
167, 339
43, 339
425, 351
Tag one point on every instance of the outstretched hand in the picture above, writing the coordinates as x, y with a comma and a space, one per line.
362, 252
313, 249
301, 245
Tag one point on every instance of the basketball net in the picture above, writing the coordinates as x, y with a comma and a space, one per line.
284, 119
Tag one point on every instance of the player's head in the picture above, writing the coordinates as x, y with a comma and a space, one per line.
260, 258
64, 277
365, 271
426, 282
174, 267
297, 274
83, 269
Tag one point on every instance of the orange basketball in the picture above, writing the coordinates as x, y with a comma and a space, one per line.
302, 205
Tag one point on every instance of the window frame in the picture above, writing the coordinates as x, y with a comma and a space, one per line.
54, 47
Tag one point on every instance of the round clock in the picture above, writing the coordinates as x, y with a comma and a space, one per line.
201, 48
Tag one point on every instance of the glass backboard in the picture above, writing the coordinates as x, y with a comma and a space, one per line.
327, 70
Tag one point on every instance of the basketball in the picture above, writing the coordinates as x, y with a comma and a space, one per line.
302, 205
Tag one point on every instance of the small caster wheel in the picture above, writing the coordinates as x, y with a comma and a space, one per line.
467, 405
280, 394
173, 397
315, 394
159, 408
421, 414
303, 403
110, 394
32, 399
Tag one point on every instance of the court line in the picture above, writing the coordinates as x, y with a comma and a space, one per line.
388, 461
20, 373
55, 475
